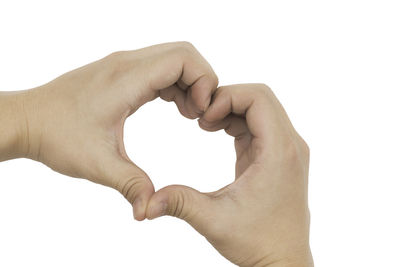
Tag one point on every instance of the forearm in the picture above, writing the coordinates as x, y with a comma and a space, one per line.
13, 126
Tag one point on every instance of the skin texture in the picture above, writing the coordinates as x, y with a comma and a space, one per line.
74, 125
262, 218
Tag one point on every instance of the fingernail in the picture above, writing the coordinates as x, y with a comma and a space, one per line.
207, 104
158, 210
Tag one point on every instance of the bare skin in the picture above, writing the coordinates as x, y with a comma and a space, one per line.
74, 125
262, 218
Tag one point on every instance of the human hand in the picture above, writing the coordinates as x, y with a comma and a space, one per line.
74, 124
262, 218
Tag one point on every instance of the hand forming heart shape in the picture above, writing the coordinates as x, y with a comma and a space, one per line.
78, 118
74, 125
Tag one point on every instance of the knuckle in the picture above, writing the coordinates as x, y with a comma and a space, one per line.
224, 91
261, 89
181, 208
304, 148
289, 149
177, 210
129, 188
296, 160
117, 65
296, 151
265, 87
116, 56
215, 80
185, 47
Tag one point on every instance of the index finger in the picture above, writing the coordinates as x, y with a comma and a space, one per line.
265, 116
180, 64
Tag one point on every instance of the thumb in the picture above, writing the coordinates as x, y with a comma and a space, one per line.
133, 183
182, 202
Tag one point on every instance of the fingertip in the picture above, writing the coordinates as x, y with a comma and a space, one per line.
141, 202
202, 92
202, 124
211, 114
211, 126
157, 210
139, 210
132, 182
157, 206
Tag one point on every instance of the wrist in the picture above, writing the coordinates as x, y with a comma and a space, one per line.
16, 125
12, 130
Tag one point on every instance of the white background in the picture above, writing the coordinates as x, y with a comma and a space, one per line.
335, 66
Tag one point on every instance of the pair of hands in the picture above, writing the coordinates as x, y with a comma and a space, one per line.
74, 125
